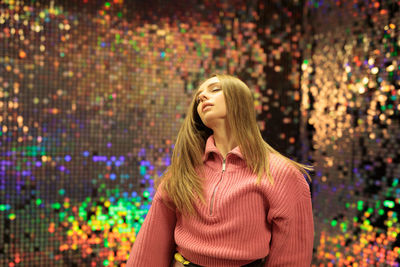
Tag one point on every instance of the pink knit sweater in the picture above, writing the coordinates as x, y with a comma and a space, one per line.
241, 221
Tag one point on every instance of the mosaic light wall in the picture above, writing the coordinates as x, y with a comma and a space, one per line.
92, 94
351, 90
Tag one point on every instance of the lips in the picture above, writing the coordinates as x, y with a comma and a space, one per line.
205, 105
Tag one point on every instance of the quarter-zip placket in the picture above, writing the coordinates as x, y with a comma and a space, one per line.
216, 187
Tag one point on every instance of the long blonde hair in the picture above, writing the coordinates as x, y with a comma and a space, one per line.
181, 181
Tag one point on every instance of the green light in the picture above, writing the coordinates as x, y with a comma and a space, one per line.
146, 194
61, 192
381, 212
343, 226
56, 206
370, 210
396, 181
38, 201
142, 170
388, 203
107, 4
106, 262
333, 223
360, 204
2, 207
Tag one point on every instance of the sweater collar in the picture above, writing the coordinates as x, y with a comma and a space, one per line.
211, 148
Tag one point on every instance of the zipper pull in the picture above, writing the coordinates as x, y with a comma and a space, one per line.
223, 165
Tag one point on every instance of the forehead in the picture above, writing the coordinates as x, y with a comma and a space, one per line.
208, 83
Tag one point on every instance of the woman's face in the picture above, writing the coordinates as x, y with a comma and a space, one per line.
211, 103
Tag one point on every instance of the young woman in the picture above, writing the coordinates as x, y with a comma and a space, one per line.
228, 198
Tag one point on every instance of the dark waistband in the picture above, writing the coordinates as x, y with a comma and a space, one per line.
185, 262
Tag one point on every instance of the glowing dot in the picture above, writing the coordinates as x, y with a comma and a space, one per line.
67, 158
374, 70
371, 61
388, 203
390, 68
22, 54
360, 204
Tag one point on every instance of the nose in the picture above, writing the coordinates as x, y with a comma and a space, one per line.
202, 96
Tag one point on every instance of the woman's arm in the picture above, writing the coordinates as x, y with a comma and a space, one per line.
292, 224
155, 245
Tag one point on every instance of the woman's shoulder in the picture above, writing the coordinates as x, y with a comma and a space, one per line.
161, 194
286, 174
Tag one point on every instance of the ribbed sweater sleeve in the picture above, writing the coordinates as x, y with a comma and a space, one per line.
291, 219
155, 245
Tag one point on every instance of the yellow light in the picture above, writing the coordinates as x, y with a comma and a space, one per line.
371, 61
390, 68
374, 70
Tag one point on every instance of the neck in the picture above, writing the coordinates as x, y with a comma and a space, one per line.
224, 140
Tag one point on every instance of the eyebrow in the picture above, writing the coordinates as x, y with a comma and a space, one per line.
210, 85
